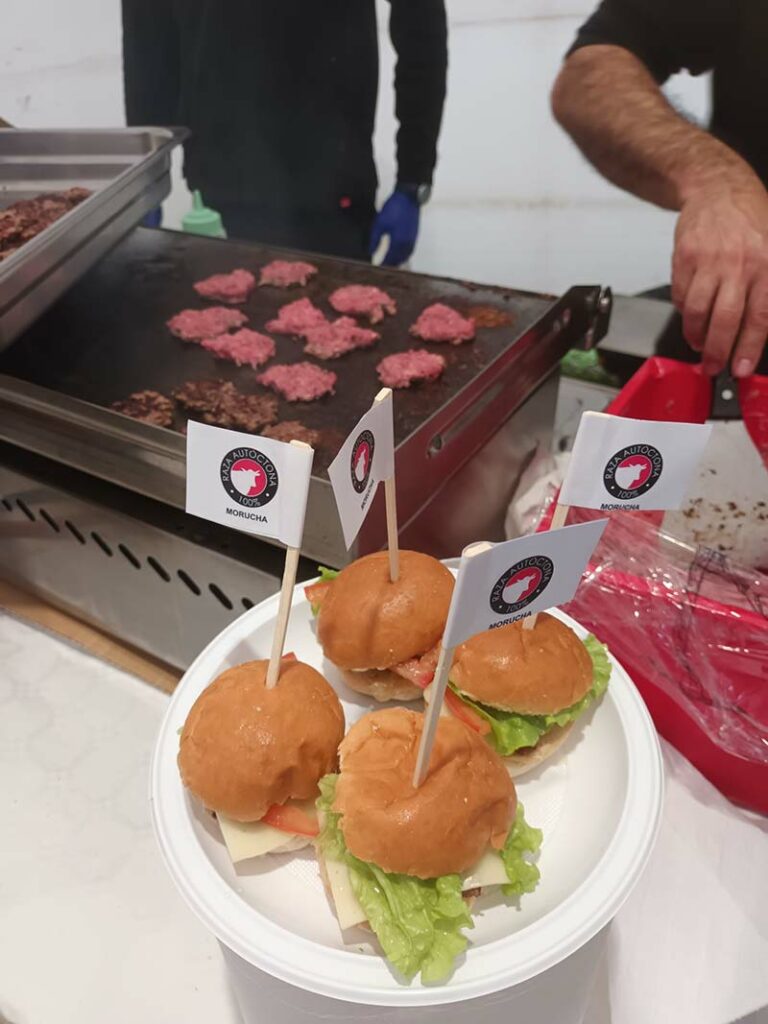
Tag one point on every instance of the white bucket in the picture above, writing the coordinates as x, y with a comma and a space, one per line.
558, 996
598, 805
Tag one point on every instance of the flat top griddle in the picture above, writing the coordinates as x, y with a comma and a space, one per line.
107, 336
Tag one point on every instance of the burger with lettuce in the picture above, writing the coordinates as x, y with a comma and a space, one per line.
405, 862
522, 690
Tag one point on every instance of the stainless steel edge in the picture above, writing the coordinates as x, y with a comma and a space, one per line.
152, 461
44, 268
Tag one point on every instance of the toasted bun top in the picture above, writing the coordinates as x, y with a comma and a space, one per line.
366, 621
466, 801
244, 747
533, 672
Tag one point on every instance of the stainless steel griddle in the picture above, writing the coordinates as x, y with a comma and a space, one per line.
461, 442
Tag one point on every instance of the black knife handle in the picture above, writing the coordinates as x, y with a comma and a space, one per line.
725, 398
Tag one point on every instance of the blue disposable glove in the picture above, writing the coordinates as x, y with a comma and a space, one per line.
399, 219
154, 218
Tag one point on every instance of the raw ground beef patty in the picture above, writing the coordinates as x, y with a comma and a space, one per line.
292, 430
296, 318
331, 340
244, 347
231, 288
299, 382
286, 273
363, 300
147, 406
219, 403
196, 324
405, 368
441, 323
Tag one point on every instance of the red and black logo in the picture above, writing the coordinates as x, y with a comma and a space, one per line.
632, 471
249, 477
521, 584
362, 460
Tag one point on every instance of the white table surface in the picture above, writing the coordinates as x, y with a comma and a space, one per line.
92, 930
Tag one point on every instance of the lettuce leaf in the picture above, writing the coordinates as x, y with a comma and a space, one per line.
417, 922
522, 839
326, 576
510, 732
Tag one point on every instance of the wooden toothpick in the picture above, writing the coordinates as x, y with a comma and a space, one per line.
284, 607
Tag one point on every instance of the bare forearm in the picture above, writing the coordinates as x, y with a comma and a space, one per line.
611, 106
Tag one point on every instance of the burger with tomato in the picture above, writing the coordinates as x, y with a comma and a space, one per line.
254, 756
522, 690
406, 862
383, 636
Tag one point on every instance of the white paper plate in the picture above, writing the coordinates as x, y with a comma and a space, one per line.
598, 805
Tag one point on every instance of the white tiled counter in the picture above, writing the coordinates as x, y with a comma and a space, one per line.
92, 931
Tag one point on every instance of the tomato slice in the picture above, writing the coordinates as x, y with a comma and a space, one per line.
465, 713
419, 671
290, 818
289, 657
315, 592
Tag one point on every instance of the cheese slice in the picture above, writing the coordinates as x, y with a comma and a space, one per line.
246, 839
348, 910
489, 870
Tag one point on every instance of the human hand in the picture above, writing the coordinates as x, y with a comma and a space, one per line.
720, 274
153, 219
399, 219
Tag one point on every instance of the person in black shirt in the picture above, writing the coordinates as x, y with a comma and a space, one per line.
280, 98
607, 97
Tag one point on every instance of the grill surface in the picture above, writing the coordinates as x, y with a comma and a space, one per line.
107, 337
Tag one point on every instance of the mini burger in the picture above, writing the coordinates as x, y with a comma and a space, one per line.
254, 755
405, 861
522, 690
383, 636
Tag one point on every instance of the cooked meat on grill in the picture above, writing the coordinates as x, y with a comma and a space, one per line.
244, 347
219, 403
405, 368
286, 273
196, 324
292, 430
232, 288
296, 318
363, 300
147, 406
489, 316
26, 218
441, 323
331, 340
298, 382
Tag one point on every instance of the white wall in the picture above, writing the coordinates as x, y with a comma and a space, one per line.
514, 202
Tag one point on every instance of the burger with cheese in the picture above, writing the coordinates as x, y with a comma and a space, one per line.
523, 689
383, 636
254, 755
403, 860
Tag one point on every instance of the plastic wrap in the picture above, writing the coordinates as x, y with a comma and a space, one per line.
689, 624
689, 621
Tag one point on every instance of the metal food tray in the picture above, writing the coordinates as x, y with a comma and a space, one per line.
108, 337
128, 172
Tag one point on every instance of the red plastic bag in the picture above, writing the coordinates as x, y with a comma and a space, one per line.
690, 626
